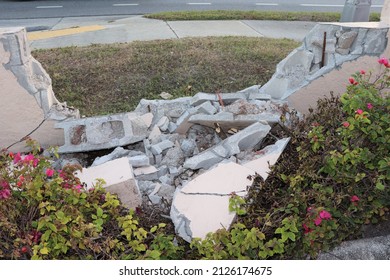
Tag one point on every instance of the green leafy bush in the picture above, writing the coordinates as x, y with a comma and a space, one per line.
48, 214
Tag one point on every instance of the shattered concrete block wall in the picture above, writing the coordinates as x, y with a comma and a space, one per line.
26, 94
343, 42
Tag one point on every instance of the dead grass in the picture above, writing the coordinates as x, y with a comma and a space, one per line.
103, 79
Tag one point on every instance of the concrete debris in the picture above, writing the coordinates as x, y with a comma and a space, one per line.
166, 95
118, 177
104, 132
212, 191
117, 153
343, 43
267, 157
243, 140
146, 173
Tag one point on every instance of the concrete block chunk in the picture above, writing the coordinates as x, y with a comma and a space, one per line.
102, 132
163, 123
160, 147
139, 160
146, 173
206, 108
212, 191
242, 140
117, 153
267, 157
119, 179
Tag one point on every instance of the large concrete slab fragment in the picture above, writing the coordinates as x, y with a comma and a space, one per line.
118, 175
202, 206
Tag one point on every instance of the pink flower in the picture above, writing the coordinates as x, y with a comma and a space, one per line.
346, 124
49, 172
355, 198
29, 157
369, 106
362, 72
359, 111
383, 61
5, 191
17, 158
318, 221
352, 81
325, 215
77, 188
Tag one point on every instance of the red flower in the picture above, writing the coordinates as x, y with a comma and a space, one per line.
24, 250
355, 198
318, 221
383, 61
359, 111
49, 172
17, 158
325, 215
306, 229
362, 72
346, 124
315, 124
352, 81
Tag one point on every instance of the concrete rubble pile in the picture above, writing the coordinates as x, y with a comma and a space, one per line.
189, 154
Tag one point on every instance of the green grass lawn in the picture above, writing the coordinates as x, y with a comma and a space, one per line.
102, 79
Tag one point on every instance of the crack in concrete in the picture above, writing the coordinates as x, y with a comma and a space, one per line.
172, 30
214, 194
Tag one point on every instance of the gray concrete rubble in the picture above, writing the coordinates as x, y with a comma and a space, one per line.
326, 47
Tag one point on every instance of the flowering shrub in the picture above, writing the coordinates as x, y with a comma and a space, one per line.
47, 214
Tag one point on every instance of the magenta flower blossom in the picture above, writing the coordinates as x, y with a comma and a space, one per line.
383, 61
325, 215
5, 191
318, 221
369, 106
49, 172
346, 124
359, 111
17, 158
355, 198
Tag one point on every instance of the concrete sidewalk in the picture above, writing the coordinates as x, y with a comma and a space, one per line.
83, 31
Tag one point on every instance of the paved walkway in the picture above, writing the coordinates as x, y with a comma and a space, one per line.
82, 31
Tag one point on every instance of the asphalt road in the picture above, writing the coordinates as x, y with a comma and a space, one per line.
16, 9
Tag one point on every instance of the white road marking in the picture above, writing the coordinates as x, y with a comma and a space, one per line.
320, 5
198, 3
122, 5
48, 7
267, 4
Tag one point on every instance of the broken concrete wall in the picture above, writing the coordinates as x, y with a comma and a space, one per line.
343, 42
27, 100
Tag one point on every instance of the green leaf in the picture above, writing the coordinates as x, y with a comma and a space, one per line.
380, 186
155, 254
44, 251
99, 212
153, 229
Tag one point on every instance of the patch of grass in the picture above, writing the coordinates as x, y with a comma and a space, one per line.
102, 79
252, 15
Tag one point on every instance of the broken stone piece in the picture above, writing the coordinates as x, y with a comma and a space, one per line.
119, 179
146, 173
211, 191
206, 108
166, 95
242, 140
139, 160
267, 157
163, 123
117, 153
103, 132
160, 147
